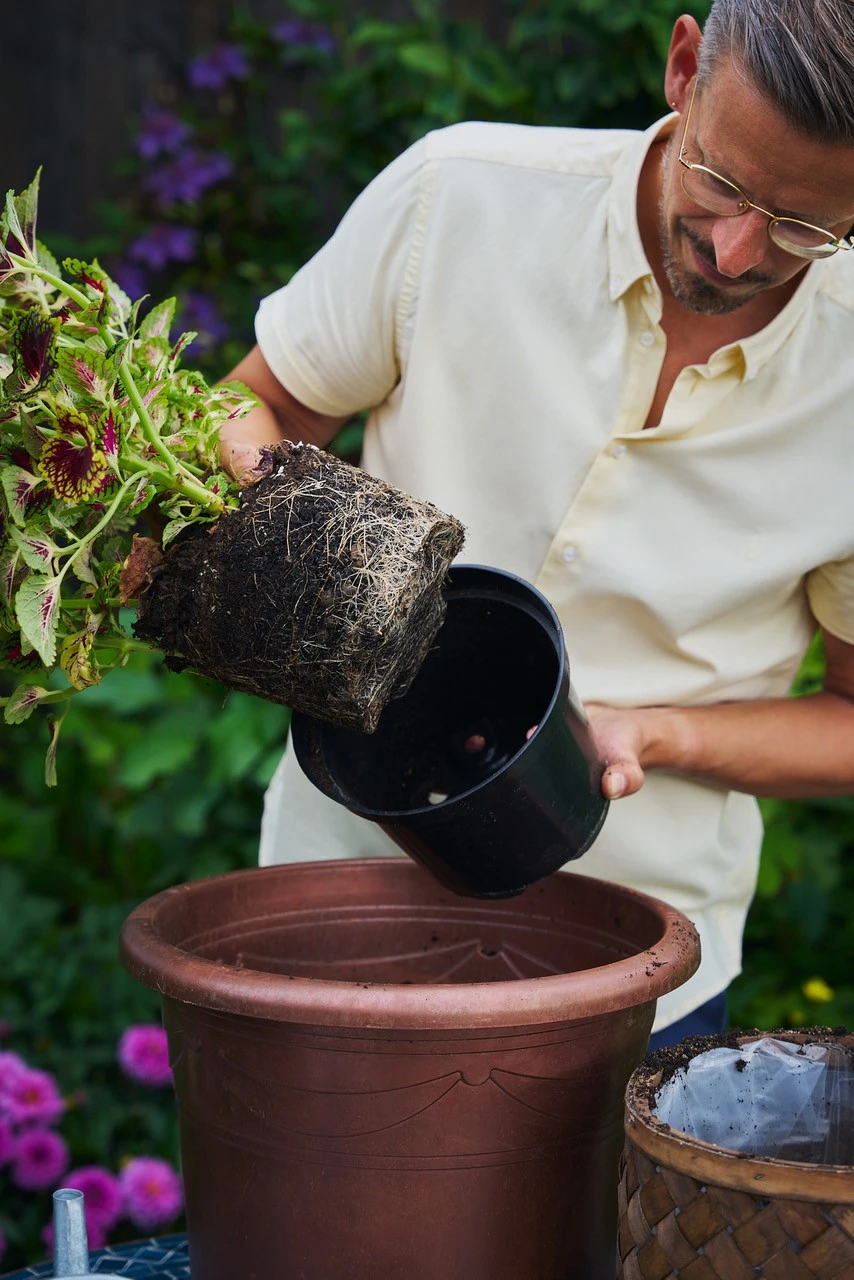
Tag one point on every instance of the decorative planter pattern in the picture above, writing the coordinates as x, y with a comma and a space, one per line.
376, 1078
696, 1211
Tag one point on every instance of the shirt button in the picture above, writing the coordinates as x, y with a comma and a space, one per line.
569, 554
618, 450
647, 338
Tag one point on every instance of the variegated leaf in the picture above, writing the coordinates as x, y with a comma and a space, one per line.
158, 322
18, 486
23, 702
37, 549
37, 611
86, 373
76, 658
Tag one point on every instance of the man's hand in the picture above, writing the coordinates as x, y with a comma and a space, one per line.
621, 739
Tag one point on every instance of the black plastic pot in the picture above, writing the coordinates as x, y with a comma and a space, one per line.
450, 772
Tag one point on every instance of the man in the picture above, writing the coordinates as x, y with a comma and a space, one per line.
623, 360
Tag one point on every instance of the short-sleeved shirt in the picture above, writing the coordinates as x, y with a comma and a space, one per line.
489, 296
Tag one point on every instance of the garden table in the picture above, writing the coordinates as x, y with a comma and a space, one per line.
165, 1258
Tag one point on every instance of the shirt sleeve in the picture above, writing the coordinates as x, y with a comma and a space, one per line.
331, 336
830, 591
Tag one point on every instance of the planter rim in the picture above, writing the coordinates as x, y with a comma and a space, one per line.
705, 1162
420, 1007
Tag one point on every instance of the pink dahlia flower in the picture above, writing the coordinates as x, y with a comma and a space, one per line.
32, 1097
40, 1160
143, 1054
153, 1196
102, 1195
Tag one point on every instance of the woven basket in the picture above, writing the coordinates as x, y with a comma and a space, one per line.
696, 1211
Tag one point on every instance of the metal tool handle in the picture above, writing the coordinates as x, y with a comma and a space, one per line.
70, 1242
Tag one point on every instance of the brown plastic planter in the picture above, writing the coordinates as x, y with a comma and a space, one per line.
377, 1079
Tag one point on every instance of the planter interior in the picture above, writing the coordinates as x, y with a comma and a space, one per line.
378, 1079
489, 821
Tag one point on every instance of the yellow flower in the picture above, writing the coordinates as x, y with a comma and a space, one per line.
817, 991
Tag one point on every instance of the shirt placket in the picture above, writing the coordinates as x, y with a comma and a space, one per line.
609, 478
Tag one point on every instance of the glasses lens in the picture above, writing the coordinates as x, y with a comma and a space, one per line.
713, 193
801, 238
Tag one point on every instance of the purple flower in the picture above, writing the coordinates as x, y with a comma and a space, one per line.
130, 278
298, 33
164, 242
7, 1142
11, 1066
199, 312
214, 69
32, 1097
102, 1193
143, 1054
188, 176
41, 1158
152, 1192
162, 133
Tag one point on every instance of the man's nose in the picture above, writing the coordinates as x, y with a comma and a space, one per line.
740, 243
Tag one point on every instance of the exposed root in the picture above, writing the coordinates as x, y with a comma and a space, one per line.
323, 592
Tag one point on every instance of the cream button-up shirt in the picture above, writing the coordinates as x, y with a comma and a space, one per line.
489, 296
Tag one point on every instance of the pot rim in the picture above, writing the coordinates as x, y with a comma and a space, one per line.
524, 1002
706, 1162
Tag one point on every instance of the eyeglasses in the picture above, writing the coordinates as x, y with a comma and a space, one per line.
709, 190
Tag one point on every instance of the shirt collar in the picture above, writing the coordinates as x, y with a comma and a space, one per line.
627, 261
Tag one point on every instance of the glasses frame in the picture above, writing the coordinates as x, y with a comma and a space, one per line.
833, 242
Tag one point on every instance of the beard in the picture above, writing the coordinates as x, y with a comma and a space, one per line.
688, 287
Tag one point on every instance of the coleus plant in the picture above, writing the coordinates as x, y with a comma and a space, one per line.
99, 426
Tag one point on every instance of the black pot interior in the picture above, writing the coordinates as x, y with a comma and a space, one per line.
490, 677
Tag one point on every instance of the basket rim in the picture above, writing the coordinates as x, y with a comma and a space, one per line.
705, 1162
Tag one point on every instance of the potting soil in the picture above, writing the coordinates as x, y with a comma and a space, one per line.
322, 592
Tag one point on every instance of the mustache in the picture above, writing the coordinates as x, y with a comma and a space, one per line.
706, 251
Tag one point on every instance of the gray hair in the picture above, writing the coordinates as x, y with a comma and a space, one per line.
799, 54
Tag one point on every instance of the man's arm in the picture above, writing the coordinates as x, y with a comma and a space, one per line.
279, 416
786, 747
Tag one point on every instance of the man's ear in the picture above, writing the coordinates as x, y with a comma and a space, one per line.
681, 66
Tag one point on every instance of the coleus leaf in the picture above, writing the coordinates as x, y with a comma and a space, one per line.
24, 700
91, 273
76, 657
19, 487
158, 322
37, 611
32, 341
18, 225
12, 655
71, 463
37, 549
55, 723
183, 342
87, 374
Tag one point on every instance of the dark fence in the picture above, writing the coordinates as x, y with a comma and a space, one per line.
76, 76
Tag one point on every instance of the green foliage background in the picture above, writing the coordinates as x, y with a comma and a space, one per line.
161, 776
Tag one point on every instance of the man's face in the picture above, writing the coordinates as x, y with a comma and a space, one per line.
715, 264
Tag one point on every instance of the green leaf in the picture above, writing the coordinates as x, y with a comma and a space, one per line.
50, 758
37, 549
37, 611
158, 322
24, 700
18, 487
427, 59
87, 374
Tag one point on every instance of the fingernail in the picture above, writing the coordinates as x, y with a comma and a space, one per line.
615, 784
